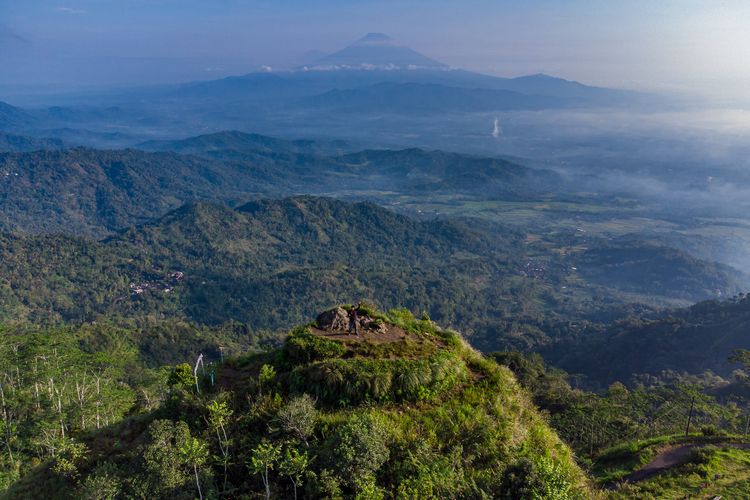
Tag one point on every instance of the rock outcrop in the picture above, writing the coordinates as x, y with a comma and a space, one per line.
333, 320
338, 318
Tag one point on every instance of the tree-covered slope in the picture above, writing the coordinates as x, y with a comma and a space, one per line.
642, 267
269, 263
93, 192
232, 140
421, 172
404, 409
20, 143
85, 191
272, 263
693, 340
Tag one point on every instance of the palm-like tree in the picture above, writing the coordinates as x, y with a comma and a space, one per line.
195, 452
263, 459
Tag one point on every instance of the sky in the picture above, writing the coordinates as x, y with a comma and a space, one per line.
688, 46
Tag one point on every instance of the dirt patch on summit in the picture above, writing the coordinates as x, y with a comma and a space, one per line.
388, 333
354, 325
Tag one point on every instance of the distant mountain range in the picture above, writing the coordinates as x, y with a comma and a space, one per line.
374, 75
294, 88
87, 191
381, 70
12, 117
243, 143
428, 98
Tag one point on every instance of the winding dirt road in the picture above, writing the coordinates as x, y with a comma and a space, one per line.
671, 457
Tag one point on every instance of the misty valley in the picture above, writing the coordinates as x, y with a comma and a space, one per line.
373, 275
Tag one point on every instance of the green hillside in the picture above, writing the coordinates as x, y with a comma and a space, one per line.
674, 468
91, 192
692, 340
403, 409
96, 192
270, 264
19, 143
240, 142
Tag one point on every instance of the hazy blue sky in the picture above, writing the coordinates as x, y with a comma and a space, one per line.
680, 44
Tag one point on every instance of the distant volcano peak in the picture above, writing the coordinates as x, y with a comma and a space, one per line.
375, 38
376, 51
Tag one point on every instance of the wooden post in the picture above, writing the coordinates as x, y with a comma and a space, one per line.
747, 423
690, 416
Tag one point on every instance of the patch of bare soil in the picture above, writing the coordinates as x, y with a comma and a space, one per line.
666, 459
384, 333
669, 457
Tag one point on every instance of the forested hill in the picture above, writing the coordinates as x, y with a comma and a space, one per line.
92, 192
19, 143
11, 116
85, 191
403, 409
271, 263
232, 140
693, 340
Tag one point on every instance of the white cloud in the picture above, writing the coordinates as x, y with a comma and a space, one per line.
70, 10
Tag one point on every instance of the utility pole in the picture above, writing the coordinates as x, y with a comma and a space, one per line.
690, 416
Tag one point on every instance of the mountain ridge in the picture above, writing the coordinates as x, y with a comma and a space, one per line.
691, 340
116, 188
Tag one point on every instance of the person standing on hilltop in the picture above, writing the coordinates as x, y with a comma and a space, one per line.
354, 320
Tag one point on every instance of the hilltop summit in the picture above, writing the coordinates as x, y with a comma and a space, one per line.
376, 51
346, 412
375, 38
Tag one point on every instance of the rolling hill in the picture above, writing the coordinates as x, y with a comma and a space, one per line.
427, 98
255, 264
240, 142
12, 117
17, 143
93, 192
405, 408
691, 340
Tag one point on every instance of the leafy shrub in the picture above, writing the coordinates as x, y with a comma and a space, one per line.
298, 416
361, 448
709, 430
706, 459
535, 479
69, 457
102, 484
354, 381
403, 318
306, 348
181, 376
